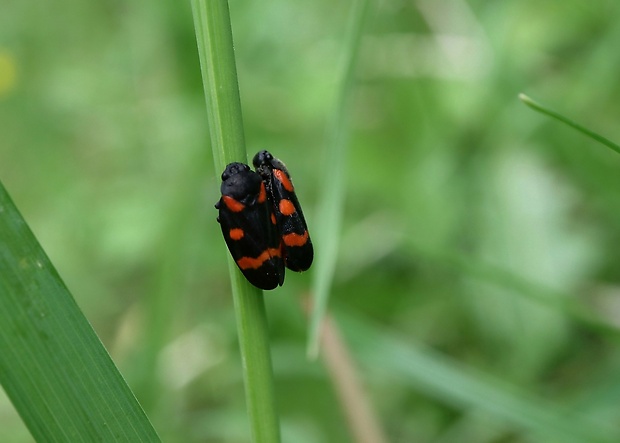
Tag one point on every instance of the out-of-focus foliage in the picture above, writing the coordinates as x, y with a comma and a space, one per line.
471, 222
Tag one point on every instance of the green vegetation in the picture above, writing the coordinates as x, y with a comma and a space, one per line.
55, 370
476, 278
219, 77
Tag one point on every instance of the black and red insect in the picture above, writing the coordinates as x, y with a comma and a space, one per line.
262, 222
297, 247
249, 226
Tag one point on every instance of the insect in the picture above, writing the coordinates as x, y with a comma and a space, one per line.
249, 226
297, 248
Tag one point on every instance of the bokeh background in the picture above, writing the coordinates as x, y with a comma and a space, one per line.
476, 287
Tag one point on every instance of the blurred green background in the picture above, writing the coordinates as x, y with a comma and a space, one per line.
476, 285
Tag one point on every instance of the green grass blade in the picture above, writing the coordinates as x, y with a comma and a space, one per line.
543, 109
479, 270
219, 75
52, 365
330, 212
219, 78
450, 381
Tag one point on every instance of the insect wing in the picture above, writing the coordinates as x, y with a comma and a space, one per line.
296, 243
245, 216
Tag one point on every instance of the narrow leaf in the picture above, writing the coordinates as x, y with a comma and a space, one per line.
330, 212
543, 109
449, 381
52, 365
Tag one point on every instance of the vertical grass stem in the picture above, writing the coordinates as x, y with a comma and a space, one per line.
219, 75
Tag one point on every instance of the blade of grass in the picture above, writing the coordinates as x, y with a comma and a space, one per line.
52, 365
330, 211
219, 76
544, 110
356, 406
561, 301
449, 381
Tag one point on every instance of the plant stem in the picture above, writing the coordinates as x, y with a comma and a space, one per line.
331, 202
543, 109
219, 76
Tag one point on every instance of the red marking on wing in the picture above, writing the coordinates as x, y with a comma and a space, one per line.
295, 239
282, 178
232, 204
236, 233
255, 263
286, 207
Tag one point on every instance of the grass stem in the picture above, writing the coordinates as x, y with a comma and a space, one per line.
219, 75
544, 110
